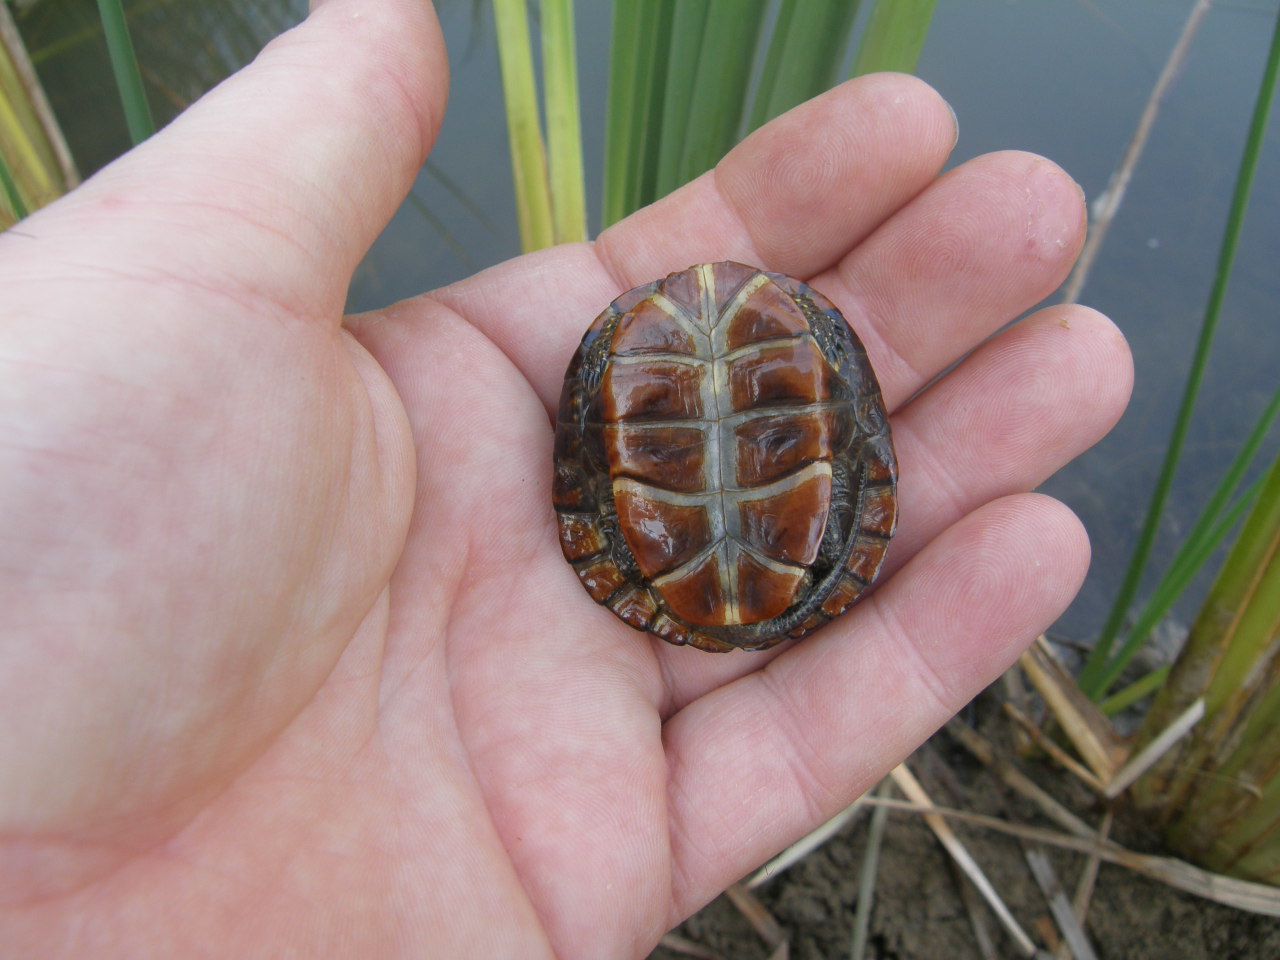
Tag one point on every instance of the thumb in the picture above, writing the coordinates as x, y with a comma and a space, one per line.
282, 176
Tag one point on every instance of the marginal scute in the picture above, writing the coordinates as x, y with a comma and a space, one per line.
879, 511
866, 556
581, 536
635, 606
602, 578
724, 472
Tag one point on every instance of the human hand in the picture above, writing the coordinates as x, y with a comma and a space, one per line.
292, 662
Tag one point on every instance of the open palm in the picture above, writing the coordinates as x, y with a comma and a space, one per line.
291, 660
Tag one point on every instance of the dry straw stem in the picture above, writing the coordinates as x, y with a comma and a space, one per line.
908, 784
1087, 727
1106, 206
1241, 894
761, 920
804, 846
985, 752
977, 912
34, 150
867, 878
1156, 749
1088, 878
1041, 740
989, 755
1073, 934
678, 944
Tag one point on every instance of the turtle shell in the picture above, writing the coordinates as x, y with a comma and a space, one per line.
724, 471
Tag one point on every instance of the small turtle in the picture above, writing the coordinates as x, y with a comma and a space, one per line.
724, 470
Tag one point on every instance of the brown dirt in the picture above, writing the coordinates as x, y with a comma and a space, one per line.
919, 913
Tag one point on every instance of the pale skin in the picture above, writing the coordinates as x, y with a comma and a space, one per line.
290, 658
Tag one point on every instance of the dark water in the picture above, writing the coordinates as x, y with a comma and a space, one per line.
1066, 78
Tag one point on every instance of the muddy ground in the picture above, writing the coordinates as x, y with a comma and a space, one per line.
919, 912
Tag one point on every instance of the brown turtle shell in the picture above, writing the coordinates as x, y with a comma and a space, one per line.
724, 471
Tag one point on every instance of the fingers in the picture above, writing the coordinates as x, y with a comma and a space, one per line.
799, 192
288, 169
756, 764
1009, 416
986, 241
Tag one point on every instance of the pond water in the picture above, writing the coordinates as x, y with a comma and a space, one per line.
1066, 78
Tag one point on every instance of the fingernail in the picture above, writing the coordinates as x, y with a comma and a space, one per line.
955, 122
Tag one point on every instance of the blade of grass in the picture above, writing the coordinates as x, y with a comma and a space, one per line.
1095, 666
808, 43
35, 163
124, 64
564, 127
1216, 520
11, 194
528, 155
637, 74
717, 98
1190, 558
684, 45
1144, 686
894, 36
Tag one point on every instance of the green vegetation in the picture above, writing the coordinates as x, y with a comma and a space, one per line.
680, 89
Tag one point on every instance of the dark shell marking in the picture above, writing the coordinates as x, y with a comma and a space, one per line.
725, 475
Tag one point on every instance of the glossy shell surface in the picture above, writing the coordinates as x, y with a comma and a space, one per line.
724, 471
